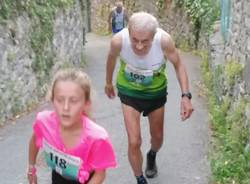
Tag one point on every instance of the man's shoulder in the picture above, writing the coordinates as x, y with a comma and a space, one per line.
161, 30
113, 11
164, 34
117, 38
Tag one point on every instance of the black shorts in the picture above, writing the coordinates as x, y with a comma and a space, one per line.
58, 179
143, 106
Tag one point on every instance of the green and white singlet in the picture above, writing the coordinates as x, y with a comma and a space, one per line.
142, 77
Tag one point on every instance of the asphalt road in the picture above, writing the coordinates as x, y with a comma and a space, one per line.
182, 159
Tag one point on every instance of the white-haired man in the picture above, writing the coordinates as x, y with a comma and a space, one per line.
142, 84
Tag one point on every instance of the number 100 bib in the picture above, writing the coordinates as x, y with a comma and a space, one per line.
139, 76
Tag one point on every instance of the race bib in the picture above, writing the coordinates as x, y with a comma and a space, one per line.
64, 164
139, 76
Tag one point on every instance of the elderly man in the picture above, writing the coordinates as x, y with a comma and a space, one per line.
142, 85
117, 18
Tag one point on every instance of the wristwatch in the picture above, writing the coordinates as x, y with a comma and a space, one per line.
187, 94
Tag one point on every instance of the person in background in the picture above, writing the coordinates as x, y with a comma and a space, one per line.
141, 81
118, 18
73, 145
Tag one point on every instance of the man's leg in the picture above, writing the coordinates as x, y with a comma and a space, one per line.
156, 119
156, 123
132, 123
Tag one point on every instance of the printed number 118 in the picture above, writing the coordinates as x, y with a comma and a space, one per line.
58, 161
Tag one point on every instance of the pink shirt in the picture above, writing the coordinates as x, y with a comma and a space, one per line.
93, 152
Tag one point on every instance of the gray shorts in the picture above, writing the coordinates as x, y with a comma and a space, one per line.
144, 106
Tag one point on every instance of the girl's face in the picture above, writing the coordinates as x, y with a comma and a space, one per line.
69, 102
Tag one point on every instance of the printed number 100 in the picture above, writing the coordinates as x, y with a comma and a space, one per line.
137, 76
58, 161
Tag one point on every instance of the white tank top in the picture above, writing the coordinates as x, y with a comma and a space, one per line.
119, 20
154, 58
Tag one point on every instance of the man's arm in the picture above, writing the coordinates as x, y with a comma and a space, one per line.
172, 54
126, 17
114, 51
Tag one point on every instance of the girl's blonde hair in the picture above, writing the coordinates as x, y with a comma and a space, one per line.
74, 75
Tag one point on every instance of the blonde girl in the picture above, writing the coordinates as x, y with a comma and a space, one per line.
76, 149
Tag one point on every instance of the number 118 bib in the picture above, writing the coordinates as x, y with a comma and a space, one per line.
64, 164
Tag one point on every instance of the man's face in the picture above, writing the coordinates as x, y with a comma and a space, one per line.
119, 8
141, 41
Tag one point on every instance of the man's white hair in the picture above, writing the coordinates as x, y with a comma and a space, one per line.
142, 21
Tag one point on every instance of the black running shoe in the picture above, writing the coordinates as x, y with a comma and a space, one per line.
141, 180
151, 168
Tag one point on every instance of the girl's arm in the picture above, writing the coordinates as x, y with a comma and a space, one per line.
33, 151
98, 177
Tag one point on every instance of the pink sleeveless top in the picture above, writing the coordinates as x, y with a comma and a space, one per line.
93, 151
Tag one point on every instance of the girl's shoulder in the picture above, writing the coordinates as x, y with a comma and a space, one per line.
46, 117
93, 130
46, 114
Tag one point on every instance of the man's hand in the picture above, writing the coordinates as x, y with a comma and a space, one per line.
186, 108
109, 90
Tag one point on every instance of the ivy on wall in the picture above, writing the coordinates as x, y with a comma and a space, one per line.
230, 155
41, 13
202, 13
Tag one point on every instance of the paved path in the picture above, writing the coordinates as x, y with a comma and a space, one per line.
182, 159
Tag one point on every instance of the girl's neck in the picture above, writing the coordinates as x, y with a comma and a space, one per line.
73, 128
71, 135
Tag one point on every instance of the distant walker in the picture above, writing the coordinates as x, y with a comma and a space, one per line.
117, 18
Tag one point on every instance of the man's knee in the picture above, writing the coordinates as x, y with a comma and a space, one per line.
135, 143
158, 136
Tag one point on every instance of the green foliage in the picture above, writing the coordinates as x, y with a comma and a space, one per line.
206, 11
233, 71
202, 13
182, 43
230, 154
205, 69
160, 5
229, 161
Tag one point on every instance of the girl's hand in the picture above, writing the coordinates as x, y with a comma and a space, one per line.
98, 177
32, 179
31, 175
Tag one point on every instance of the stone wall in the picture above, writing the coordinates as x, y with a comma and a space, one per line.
19, 84
230, 62
236, 48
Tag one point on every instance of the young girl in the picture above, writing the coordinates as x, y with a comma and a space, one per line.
77, 149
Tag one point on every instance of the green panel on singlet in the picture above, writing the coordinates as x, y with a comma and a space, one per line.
156, 89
